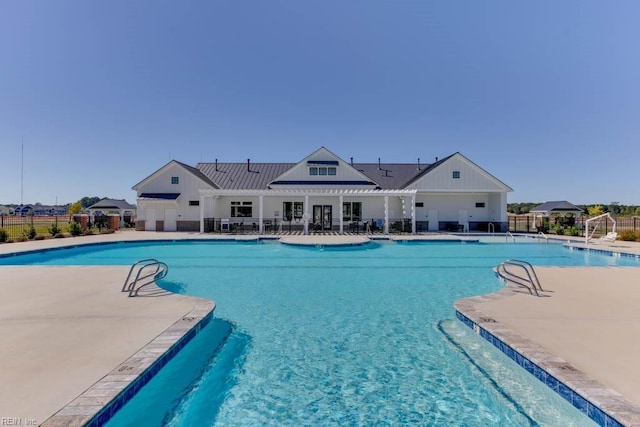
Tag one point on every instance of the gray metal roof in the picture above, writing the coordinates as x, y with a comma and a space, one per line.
107, 203
556, 206
236, 176
390, 175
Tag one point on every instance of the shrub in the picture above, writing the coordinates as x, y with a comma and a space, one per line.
29, 232
573, 231
39, 237
54, 229
629, 236
75, 229
107, 231
559, 229
58, 236
4, 236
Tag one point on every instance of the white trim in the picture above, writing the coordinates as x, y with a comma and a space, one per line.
310, 192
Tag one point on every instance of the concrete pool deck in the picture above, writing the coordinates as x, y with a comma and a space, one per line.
51, 352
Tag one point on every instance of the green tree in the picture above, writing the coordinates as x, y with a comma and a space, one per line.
595, 210
88, 201
75, 208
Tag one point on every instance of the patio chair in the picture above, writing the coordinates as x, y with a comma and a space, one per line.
610, 237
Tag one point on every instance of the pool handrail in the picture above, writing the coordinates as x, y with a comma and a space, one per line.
506, 236
160, 272
531, 282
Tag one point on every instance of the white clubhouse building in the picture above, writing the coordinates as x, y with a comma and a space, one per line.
322, 192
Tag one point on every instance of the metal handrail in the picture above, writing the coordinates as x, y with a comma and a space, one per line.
531, 282
368, 229
159, 272
541, 234
506, 236
491, 228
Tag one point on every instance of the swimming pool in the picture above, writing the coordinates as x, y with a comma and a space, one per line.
346, 336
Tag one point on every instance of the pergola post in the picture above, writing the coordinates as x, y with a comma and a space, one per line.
341, 198
202, 199
413, 214
386, 215
306, 214
260, 208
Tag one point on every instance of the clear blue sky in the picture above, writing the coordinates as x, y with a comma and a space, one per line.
544, 95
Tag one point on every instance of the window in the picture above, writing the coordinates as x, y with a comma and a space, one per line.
480, 205
174, 180
291, 210
456, 174
194, 202
323, 170
419, 204
241, 209
352, 211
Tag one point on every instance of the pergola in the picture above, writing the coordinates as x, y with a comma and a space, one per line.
557, 207
307, 193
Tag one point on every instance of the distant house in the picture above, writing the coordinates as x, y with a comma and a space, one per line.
5, 210
325, 192
106, 206
23, 210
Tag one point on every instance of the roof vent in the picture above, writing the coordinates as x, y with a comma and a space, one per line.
351, 161
249, 167
436, 159
418, 163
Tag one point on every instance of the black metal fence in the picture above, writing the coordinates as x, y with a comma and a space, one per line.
523, 224
30, 226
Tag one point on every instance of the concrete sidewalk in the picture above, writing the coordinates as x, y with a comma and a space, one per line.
590, 317
65, 328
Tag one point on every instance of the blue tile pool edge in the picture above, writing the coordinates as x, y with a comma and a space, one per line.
100, 402
558, 375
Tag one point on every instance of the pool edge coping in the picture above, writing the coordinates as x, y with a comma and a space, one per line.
598, 402
101, 401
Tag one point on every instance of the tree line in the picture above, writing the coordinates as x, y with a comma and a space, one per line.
614, 208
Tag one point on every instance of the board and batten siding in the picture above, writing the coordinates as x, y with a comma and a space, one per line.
472, 178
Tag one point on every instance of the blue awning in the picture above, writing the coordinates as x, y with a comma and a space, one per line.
160, 196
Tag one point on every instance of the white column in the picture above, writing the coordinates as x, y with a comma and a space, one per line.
413, 214
260, 208
340, 213
202, 199
213, 212
306, 214
386, 214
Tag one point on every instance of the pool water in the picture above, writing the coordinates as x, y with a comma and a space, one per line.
337, 336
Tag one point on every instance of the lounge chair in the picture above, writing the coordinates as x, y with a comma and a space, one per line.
610, 237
